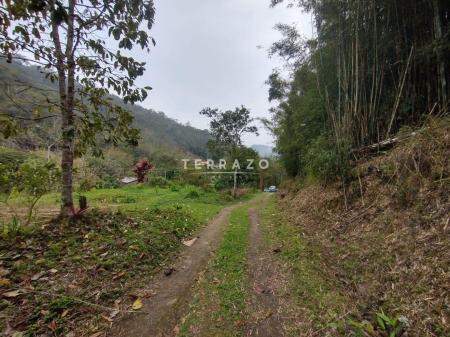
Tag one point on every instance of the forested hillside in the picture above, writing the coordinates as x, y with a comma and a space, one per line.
372, 68
28, 95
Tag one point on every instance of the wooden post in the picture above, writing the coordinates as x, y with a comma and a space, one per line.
235, 183
83, 202
261, 182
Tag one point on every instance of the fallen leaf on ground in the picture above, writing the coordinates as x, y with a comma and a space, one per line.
239, 323
4, 282
13, 293
113, 314
137, 304
258, 289
106, 318
97, 334
37, 276
194, 329
189, 243
176, 330
4, 272
115, 277
52, 326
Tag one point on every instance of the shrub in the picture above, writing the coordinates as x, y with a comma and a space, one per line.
12, 157
87, 183
326, 162
193, 194
223, 182
34, 179
10, 160
157, 181
108, 182
419, 162
7, 173
31, 180
194, 179
11, 229
100, 172
174, 188
141, 169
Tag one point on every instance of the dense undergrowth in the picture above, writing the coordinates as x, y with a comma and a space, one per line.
374, 262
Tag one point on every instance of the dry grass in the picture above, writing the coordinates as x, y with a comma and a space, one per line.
390, 248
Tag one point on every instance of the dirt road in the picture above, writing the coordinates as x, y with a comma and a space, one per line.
173, 289
172, 292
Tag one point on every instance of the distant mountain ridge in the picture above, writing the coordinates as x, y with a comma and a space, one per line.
263, 150
157, 130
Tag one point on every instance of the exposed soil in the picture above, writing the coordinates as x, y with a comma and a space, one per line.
171, 288
265, 320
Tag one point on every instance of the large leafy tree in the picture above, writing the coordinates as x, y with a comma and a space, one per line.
72, 41
227, 128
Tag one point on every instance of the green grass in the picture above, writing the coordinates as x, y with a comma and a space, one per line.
218, 308
312, 294
137, 198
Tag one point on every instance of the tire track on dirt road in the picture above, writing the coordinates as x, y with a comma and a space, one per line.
265, 320
172, 293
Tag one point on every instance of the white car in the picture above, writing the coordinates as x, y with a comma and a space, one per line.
271, 189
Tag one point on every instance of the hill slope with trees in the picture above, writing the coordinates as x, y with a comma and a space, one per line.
25, 92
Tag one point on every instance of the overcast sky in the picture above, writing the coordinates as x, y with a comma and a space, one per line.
207, 55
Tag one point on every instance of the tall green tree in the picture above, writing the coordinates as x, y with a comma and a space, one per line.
71, 41
227, 128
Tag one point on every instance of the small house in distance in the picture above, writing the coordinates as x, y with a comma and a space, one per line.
128, 180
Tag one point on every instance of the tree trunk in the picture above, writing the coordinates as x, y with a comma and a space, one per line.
440, 58
67, 208
66, 94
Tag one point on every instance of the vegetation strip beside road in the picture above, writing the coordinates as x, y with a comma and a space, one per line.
135, 199
310, 302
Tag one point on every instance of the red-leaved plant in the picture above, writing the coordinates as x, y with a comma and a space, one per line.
141, 169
